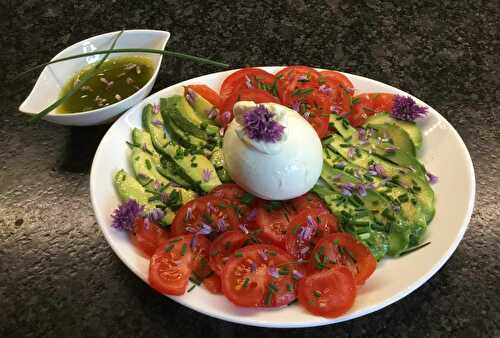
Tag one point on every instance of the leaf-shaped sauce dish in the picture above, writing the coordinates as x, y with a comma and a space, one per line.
123, 80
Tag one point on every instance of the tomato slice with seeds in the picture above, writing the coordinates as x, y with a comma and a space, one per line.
147, 236
382, 102
170, 266
245, 78
305, 229
213, 284
293, 77
208, 94
259, 275
343, 249
202, 211
308, 200
361, 108
200, 246
273, 218
243, 202
255, 95
328, 293
341, 90
223, 246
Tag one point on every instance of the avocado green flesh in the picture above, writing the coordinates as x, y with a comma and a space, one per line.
410, 128
142, 139
178, 109
201, 107
153, 123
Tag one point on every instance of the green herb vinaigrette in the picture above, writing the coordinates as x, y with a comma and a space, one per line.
117, 79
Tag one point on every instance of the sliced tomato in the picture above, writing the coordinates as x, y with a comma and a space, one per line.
329, 293
273, 218
308, 200
339, 88
200, 246
208, 94
361, 108
146, 236
243, 202
223, 246
170, 266
255, 95
202, 211
343, 249
213, 284
305, 229
245, 78
294, 77
259, 275
381, 102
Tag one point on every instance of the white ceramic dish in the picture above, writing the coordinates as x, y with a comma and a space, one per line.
443, 153
48, 87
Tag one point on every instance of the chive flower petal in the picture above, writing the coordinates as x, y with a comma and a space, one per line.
259, 125
406, 109
125, 215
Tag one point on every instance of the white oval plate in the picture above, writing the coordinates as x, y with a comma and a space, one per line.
443, 153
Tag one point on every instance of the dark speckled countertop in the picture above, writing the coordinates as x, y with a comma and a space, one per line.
59, 277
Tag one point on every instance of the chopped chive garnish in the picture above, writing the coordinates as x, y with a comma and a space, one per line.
169, 248
245, 282
317, 293
148, 164
215, 253
238, 254
247, 198
191, 288
227, 245
184, 249
295, 229
289, 287
414, 248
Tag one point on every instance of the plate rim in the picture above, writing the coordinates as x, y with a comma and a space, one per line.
320, 320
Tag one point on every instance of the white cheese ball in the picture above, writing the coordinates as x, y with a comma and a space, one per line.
290, 172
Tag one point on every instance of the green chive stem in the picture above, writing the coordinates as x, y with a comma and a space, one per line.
81, 83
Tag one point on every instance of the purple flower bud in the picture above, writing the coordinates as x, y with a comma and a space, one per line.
296, 106
205, 229
432, 178
324, 89
297, 275
253, 266
259, 124
155, 216
273, 272
190, 95
243, 229
221, 225
405, 108
206, 175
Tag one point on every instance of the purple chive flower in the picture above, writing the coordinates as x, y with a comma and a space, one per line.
310, 221
297, 275
306, 233
252, 215
324, 89
307, 115
362, 135
361, 189
157, 123
350, 152
253, 266
205, 229
303, 78
164, 197
391, 150
260, 125
194, 241
144, 147
347, 189
335, 109
433, 179
248, 82
125, 215
222, 131
155, 216
206, 174
370, 186
273, 272
190, 229
156, 108
244, 229
304, 250
336, 177
189, 215
210, 208
221, 225
339, 165
226, 116
405, 108
296, 106
190, 95
263, 255
212, 113
376, 170
156, 185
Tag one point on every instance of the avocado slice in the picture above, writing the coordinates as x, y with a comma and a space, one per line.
195, 166
183, 138
396, 135
171, 171
409, 127
201, 106
183, 115
153, 122
148, 175
142, 139
129, 188
217, 159
406, 177
342, 125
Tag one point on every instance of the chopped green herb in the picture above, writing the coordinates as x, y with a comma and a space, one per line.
148, 164
183, 249
302, 91
238, 254
169, 248
247, 198
245, 282
295, 229
317, 293
191, 288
